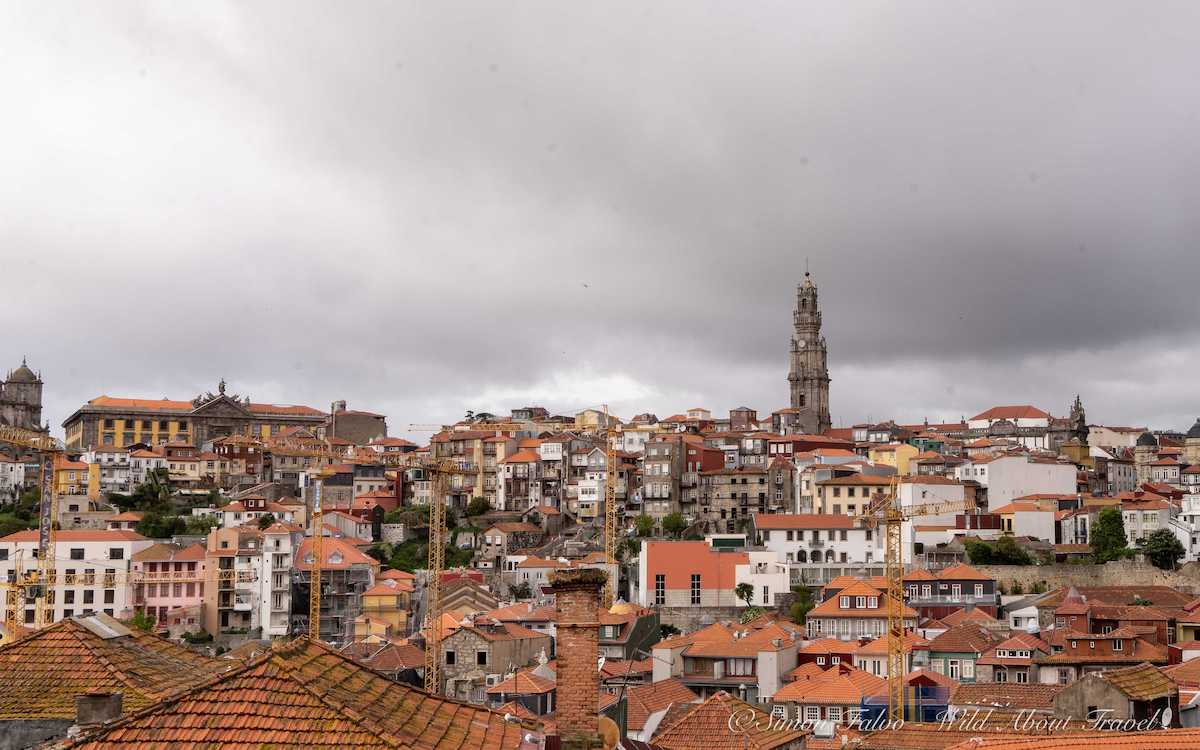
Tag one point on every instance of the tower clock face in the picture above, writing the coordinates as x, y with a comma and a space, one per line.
802, 343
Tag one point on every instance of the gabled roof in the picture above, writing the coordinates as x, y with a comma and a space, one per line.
43, 673
832, 607
645, 700
1141, 682
522, 683
1005, 695
1024, 411
965, 616
963, 639
789, 521
706, 727
839, 685
306, 695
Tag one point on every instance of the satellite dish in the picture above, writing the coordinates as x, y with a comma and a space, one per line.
610, 733
1166, 717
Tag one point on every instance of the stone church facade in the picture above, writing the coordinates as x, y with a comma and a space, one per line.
808, 376
21, 399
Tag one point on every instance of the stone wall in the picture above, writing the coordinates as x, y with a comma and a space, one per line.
688, 619
1117, 573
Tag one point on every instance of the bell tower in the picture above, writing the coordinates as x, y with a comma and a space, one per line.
808, 376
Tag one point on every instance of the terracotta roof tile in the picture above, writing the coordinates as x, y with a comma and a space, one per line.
706, 727
44, 672
645, 700
306, 695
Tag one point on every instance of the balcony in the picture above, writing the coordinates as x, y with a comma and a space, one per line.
951, 599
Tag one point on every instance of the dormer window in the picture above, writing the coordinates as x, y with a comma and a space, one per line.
844, 602
1118, 645
860, 602
873, 602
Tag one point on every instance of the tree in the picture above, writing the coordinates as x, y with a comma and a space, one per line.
802, 603
668, 630
478, 506
141, 621
156, 525
674, 524
644, 524
744, 591
1163, 549
1007, 552
979, 552
200, 524
265, 521
1017, 589
520, 590
1108, 536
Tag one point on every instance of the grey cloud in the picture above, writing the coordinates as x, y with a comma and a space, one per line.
400, 204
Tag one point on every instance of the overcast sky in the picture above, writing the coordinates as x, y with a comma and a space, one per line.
428, 207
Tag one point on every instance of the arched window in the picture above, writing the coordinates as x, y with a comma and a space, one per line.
828, 555
803, 399
802, 556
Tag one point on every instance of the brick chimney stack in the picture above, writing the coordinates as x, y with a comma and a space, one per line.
577, 622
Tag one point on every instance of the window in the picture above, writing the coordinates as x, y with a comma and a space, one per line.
1092, 645
812, 713
739, 667
978, 590
1000, 675
968, 669
1021, 676
450, 657
1118, 645
68, 597
873, 602
955, 669
109, 596
835, 660
695, 589
820, 661
844, 602
77, 553
860, 602
116, 553
956, 590
660, 589
481, 658
766, 594
1064, 676
89, 596
834, 713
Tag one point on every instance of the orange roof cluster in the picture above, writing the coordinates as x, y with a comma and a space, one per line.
645, 700
832, 607
725, 640
839, 685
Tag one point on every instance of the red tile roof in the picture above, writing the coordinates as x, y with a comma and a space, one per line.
789, 521
645, 700
1024, 411
706, 727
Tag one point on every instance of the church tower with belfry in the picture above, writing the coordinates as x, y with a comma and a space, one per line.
808, 377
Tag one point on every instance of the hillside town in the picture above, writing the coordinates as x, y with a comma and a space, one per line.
218, 572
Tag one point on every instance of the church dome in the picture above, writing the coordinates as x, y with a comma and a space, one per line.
22, 374
1195, 431
1147, 439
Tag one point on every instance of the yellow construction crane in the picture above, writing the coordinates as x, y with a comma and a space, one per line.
314, 574
610, 506
886, 510
50, 449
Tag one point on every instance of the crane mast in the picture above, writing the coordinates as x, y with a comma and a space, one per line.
433, 587
314, 577
610, 506
50, 449
885, 510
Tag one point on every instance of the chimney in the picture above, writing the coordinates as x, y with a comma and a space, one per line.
576, 614
97, 707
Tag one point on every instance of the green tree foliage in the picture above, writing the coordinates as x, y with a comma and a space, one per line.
21, 513
141, 621
744, 591
802, 604
644, 525
668, 630
1004, 551
520, 590
1163, 549
1017, 589
1108, 536
265, 521
674, 524
157, 525
478, 506
749, 614
201, 524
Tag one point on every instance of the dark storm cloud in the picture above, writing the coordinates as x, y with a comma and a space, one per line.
425, 208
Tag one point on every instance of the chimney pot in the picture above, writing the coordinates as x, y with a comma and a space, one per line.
97, 707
